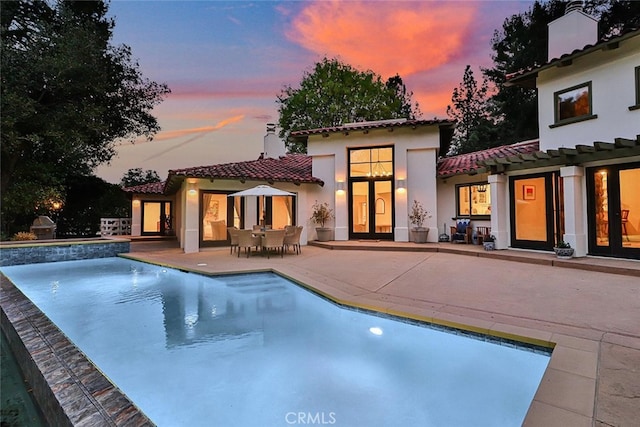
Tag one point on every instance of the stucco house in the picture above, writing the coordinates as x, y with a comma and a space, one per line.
576, 183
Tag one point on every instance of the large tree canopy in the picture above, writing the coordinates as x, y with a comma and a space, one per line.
67, 96
334, 93
137, 176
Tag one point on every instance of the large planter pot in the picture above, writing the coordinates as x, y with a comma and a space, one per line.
563, 253
420, 234
324, 234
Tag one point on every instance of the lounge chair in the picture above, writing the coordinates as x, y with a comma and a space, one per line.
247, 240
273, 239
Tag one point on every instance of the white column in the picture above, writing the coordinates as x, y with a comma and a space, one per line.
574, 209
136, 217
191, 219
499, 210
341, 211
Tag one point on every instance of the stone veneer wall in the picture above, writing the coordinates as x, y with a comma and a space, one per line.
13, 253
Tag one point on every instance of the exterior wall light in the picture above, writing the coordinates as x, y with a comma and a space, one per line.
191, 189
340, 188
136, 202
401, 185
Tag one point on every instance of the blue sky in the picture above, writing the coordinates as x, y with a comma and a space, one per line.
226, 62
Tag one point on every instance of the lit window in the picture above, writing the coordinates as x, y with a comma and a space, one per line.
473, 200
371, 162
573, 103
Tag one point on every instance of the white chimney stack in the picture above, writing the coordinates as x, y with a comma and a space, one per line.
273, 146
574, 30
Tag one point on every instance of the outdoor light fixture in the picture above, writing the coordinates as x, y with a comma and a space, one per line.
482, 188
401, 185
136, 202
192, 189
340, 187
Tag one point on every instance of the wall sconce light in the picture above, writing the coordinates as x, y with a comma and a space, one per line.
136, 202
340, 187
191, 189
401, 185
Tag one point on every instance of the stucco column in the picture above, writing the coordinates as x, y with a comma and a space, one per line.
191, 219
341, 211
499, 210
574, 209
136, 217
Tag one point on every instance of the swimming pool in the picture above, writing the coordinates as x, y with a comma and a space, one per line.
259, 350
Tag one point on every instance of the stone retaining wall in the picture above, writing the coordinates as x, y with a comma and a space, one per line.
18, 253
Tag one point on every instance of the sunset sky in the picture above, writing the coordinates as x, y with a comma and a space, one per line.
226, 62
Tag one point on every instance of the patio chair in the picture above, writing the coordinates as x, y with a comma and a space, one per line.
624, 219
482, 232
247, 240
292, 238
273, 239
462, 232
233, 238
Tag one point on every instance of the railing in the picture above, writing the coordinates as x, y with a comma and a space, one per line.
115, 226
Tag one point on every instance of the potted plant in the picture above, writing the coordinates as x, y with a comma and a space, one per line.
563, 250
489, 242
417, 217
321, 213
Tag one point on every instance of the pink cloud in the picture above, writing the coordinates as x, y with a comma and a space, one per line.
386, 37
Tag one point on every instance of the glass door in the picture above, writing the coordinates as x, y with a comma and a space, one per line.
371, 198
217, 212
371, 210
614, 210
156, 218
536, 211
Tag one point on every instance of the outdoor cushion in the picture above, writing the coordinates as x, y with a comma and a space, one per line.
461, 226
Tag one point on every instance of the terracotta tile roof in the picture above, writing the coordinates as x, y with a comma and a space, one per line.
380, 124
468, 163
150, 188
527, 74
294, 168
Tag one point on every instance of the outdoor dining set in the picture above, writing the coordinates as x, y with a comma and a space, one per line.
264, 240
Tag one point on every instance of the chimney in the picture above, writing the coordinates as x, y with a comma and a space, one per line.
273, 146
574, 30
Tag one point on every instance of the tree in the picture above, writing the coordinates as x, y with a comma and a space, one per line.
335, 93
137, 177
522, 42
474, 128
67, 96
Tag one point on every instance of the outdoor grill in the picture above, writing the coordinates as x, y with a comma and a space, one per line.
44, 228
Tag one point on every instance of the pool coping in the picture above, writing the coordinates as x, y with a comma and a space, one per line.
69, 389
566, 393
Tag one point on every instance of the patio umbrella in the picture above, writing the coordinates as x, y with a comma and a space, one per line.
261, 190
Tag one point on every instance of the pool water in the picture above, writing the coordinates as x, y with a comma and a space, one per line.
258, 350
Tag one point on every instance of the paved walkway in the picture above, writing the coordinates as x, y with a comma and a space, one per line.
592, 317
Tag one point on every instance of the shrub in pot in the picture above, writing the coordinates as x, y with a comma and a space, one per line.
489, 243
417, 216
321, 213
563, 250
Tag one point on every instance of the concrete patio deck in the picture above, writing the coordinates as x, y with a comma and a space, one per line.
588, 308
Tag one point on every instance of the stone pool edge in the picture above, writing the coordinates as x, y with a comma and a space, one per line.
69, 389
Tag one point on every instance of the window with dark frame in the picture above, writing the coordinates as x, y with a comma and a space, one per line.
573, 103
473, 200
637, 86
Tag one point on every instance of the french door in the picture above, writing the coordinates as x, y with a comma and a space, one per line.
371, 205
613, 203
537, 211
157, 219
